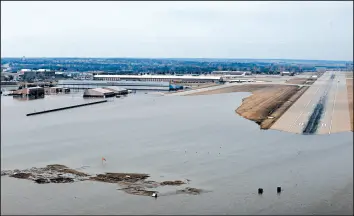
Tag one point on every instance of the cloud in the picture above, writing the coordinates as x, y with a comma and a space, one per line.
306, 30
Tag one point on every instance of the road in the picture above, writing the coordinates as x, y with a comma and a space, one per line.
229, 85
335, 117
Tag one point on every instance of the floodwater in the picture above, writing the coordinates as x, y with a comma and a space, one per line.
200, 138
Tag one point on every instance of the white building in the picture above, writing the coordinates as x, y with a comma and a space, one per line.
232, 73
160, 78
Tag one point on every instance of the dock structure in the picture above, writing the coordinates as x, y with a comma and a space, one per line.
64, 108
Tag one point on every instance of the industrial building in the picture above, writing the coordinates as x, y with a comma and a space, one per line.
221, 73
31, 92
56, 90
287, 73
99, 92
160, 78
117, 90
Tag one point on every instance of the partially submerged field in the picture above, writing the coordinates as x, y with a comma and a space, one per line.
267, 102
350, 100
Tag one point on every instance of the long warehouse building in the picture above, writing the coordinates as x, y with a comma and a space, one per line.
160, 78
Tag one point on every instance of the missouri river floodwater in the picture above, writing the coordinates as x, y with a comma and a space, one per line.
200, 138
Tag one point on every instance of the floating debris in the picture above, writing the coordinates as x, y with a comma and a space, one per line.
177, 182
191, 191
119, 177
278, 190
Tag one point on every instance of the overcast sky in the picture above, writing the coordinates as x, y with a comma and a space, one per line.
288, 30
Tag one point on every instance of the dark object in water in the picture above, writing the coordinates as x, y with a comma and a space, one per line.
120, 177
191, 191
64, 108
177, 182
260, 190
278, 189
42, 181
61, 180
21, 175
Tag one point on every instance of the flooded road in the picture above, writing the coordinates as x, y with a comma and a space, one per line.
199, 138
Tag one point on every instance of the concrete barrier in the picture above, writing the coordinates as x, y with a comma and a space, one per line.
64, 108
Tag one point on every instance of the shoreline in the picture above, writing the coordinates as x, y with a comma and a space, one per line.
267, 103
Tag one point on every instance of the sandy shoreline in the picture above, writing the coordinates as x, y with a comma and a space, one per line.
267, 102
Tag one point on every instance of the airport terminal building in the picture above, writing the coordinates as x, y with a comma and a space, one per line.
160, 78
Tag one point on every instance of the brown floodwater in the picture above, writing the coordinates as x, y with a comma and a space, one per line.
199, 138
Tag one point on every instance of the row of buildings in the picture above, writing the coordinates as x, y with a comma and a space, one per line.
214, 77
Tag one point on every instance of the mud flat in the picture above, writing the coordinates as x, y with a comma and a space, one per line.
131, 183
267, 102
350, 100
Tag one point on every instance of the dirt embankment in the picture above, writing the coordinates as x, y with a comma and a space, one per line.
279, 111
131, 183
298, 81
267, 102
237, 88
350, 100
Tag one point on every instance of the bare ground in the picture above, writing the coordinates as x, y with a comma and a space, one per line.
350, 100
267, 102
267, 123
297, 81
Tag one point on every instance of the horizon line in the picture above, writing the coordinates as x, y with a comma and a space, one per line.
291, 59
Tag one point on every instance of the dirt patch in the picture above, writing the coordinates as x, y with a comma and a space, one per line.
191, 191
279, 111
262, 104
178, 182
237, 88
119, 177
131, 183
350, 100
21, 175
55, 173
298, 81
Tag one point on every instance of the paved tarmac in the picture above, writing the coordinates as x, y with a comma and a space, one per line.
336, 113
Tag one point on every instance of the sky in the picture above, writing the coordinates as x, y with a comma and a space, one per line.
257, 30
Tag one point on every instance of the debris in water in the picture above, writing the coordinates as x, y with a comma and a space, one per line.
260, 190
131, 183
191, 191
177, 182
278, 190
119, 177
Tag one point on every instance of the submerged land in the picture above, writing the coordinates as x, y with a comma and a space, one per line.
131, 183
271, 102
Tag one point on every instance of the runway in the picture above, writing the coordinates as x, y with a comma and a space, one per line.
335, 117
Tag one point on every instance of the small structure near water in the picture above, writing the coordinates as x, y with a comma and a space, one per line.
56, 90
117, 90
31, 92
104, 92
99, 92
